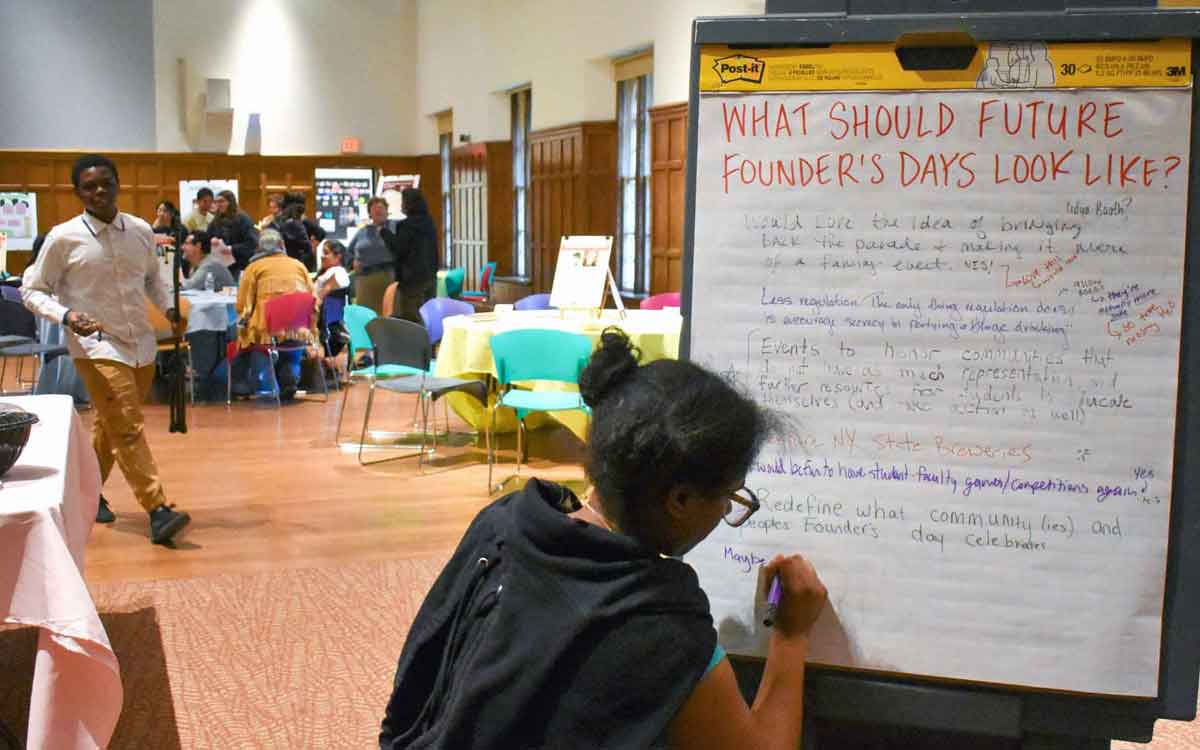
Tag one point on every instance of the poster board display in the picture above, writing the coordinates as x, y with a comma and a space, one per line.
581, 272
189, 188
18, 219
963, 289
341, 197
390, 188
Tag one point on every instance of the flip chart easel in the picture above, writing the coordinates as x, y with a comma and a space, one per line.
1008, 53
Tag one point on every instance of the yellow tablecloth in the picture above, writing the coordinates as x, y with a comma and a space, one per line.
466, 351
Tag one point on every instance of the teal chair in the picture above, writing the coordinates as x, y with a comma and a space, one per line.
355, 319
535, 354
454, 282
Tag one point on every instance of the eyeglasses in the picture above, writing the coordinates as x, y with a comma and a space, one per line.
740, 505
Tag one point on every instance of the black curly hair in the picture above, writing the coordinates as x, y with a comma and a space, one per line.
667, 424
87, 161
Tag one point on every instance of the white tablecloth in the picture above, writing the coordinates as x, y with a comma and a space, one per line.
209, 311
47, 508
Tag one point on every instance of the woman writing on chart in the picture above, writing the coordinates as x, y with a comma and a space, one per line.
559, 624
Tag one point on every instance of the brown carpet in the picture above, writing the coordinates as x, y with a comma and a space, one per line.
283, 659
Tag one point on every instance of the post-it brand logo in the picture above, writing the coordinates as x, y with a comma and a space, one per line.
740, 68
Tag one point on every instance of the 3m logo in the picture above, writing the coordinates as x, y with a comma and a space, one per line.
740, 68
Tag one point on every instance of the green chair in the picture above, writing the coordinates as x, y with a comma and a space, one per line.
454, 282
485, 285
535, 354
355, 319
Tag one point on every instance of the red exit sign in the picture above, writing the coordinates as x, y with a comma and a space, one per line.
351, 145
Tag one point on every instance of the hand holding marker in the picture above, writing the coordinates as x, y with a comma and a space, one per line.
806, 596
773, 599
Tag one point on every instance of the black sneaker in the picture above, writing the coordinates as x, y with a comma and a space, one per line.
165, 523
104, 513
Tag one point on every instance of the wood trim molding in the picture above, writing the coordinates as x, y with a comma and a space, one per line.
677, 109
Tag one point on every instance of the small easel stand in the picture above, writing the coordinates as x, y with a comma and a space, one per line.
583, 279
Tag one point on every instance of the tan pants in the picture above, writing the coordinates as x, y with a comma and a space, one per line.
118, 434
369, 288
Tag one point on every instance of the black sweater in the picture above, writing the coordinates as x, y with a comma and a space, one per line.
413, 244
240, 233
544, 631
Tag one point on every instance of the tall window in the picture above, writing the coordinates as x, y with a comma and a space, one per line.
520, 103
447, 203
633, 175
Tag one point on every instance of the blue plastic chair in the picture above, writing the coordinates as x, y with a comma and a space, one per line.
356, 318
437, 309
535, 354
333, 308
533, 302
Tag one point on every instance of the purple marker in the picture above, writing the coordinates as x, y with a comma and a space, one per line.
774, 596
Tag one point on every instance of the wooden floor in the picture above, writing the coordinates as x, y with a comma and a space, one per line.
267, 487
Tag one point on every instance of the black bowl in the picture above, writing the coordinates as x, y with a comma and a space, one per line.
15, 424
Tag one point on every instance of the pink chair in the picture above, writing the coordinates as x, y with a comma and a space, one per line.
286, 316
659, 301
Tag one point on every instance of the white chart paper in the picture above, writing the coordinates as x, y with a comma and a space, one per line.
973, 331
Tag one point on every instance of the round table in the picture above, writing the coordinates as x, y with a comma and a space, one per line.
209, 311
466, 352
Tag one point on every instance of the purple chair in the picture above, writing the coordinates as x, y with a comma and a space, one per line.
534, 302
10, 293
437, 309
659, 301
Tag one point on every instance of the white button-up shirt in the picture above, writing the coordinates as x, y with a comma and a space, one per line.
106, 271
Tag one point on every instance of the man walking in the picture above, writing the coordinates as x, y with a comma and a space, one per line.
91, 276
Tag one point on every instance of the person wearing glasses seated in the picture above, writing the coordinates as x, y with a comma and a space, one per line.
565, 624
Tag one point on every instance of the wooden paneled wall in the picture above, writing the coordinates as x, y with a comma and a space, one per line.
147, 178
668, 167
481, 183
572, 190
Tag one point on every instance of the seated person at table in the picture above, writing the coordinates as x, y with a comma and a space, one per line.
333, 277
333, 285
168, 229
569, 625
271, 273
197, 249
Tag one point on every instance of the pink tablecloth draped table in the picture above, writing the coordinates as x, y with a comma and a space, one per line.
47, 507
